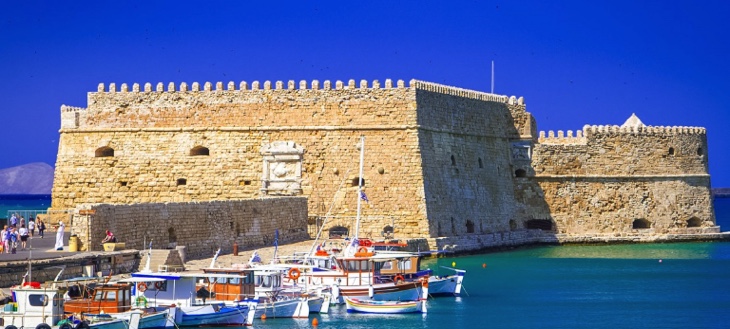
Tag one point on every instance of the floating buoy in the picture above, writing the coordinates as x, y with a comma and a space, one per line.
453, 264
315, 322
484, 265
660, 260
263, 316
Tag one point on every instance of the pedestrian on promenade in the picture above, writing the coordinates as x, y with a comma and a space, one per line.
41, 227
13, 240
4, 238
59, 235
23, 232
13, 220
31, 227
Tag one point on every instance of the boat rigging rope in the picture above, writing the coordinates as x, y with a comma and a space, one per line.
329, 211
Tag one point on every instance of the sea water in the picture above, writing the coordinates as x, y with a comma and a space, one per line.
666, 285
658, 285
10, 203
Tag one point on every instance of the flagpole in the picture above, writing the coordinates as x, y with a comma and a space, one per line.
492, 77
359, 186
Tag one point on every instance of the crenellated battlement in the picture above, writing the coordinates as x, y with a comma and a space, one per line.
642, 130
305, 85
561, 138
70, 116
66, 109
590, 131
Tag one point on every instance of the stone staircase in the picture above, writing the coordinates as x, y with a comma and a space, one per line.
162, 260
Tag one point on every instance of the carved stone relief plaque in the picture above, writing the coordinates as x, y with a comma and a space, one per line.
282, 169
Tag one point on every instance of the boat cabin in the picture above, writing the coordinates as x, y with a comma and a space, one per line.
107, 298
229, 284
34, 306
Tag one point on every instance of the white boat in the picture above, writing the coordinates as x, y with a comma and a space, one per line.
273, 299
446, 285
42, 308
385, 307
224, 308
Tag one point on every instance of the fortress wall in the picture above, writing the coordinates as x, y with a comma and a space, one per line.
465, 147
147, 164
615, 151
270, 106
610, 205
605, 177
250, 223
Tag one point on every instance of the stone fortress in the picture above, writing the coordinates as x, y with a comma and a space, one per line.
446, 165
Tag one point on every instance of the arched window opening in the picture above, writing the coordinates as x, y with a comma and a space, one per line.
338, 232
103, 152
539, 224
520, 173
700, 152
199, 150
641, 224
671, 151
453, 161
388, 232
469, 226
182, 181
481, 165
694, 222
356, 182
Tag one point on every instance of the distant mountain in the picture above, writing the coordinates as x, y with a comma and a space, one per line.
721, 192
32, 178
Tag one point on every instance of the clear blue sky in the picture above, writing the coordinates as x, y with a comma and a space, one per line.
576, 63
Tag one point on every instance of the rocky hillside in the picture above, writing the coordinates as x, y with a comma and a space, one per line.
32, 178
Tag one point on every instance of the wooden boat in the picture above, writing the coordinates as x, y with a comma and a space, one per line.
273, 299
219, 306
446, 285
42, 308
385, 307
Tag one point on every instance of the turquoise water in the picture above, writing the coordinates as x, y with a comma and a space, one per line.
14, 202
671, 285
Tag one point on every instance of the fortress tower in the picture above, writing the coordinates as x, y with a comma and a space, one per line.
440, 161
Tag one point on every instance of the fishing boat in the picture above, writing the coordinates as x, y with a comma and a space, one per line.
449, 285
274, 301
384, 307
43, 308
191, 307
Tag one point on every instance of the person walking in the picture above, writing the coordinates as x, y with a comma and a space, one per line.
4, 238
31, 227
41, 227
59, 235
13, 240
23, 232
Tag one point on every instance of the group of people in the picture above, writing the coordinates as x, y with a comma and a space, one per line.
16, 232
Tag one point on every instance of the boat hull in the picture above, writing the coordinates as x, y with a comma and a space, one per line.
210, 315
290, 308
443, 286
355, 305
381, 292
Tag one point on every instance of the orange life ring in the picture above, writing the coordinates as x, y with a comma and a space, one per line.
398, 279
158, 285
294, 273
142, 286
362, 249
424, 281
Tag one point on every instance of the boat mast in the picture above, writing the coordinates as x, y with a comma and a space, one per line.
359, 186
